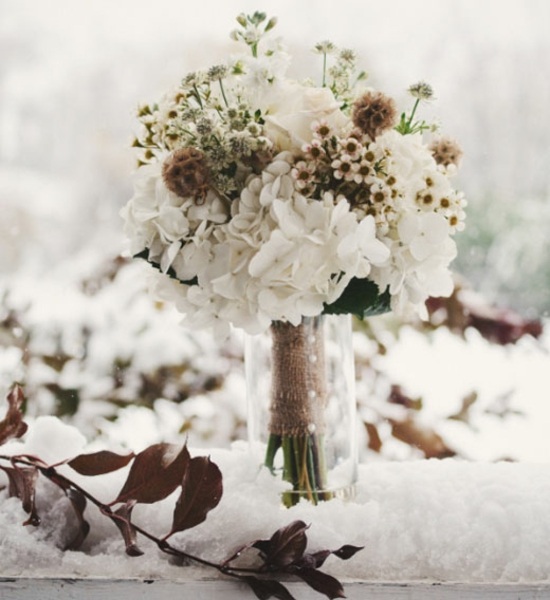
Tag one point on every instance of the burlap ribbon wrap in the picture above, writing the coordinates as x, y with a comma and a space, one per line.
298, 389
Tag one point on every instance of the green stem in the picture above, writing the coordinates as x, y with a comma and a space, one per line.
412, 114
312, 468
223, 92
197, 95
273, 444
289, 464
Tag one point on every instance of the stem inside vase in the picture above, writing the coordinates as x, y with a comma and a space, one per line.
300, 386
297, 411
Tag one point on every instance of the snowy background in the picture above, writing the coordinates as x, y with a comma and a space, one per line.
72, 74
79, 330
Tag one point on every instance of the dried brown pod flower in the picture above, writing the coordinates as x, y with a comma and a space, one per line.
446, 151
373, 113
185, 173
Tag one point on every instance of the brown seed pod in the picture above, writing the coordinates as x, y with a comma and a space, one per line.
185, 173
373, 113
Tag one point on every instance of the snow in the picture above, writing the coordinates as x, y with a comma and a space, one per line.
447, 520
444, 369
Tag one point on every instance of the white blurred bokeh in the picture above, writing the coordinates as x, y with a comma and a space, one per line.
72, 73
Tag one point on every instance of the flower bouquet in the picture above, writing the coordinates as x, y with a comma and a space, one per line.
264, 203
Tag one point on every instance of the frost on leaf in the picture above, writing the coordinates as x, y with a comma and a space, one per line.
155, 473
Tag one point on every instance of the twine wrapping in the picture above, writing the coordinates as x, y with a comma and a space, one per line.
298, 389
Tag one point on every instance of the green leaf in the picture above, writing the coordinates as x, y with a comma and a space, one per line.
361, 298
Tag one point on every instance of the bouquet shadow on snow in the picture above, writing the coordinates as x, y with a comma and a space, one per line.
154, 474
265, 203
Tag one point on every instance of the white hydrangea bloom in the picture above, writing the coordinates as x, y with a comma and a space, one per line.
287, 255
177, 232
418, 267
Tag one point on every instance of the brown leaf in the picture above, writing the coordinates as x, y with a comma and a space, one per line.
347, 551
99, 463
423, 438
465, 308
397, 396
155, 473
316, 560
201, 492
375, 441
321, 582
22, 484
78, 501
464, 413
122, 519
286, 545
267, 588
13, 426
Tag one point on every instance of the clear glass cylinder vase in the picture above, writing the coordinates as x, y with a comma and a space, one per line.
301, 405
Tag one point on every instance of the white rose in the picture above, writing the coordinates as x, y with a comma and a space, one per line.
289, 119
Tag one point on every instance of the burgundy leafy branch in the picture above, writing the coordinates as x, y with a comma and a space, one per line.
154, 474
285, 552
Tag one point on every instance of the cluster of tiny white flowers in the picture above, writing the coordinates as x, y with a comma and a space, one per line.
298, 201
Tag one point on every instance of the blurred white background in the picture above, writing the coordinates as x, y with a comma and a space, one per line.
73, 71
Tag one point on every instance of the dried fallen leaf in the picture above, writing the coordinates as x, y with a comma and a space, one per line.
423, 438
375, 441
13, 426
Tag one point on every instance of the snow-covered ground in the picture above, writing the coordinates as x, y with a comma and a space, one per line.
447, 520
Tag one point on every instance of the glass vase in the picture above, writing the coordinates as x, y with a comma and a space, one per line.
301, 405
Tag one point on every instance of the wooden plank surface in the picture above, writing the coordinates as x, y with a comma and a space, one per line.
13, 588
